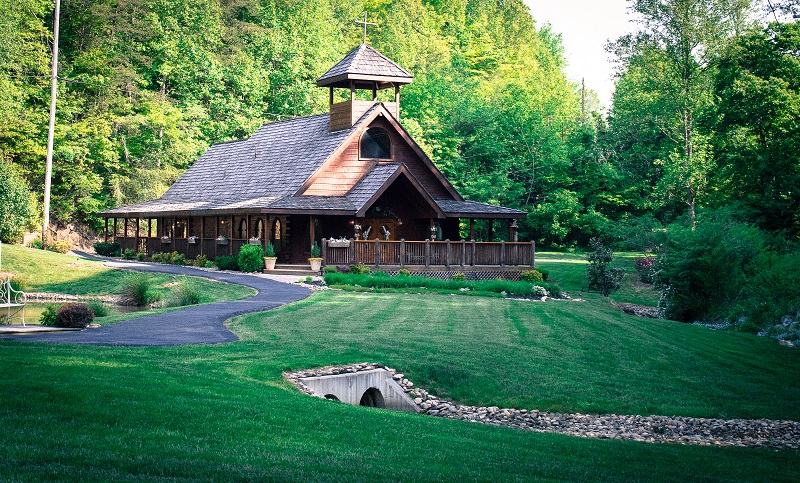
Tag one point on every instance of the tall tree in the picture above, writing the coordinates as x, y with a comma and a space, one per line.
666, 70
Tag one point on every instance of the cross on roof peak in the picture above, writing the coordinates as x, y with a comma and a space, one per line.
365, 23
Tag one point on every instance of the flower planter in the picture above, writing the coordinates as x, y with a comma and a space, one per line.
222, 241
192, 240
339, 244
316, 264
166, 239
254, 241
269, 262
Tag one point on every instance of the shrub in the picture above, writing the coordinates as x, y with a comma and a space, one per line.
137, 290
601, 278
201, 261
403, 272
532, 276
646, 268
459, 276
158, 257
359, 269
227, 262
269, 250
309, 279
98, 308
141, 256
107, 249
329, 269
128, 254
703, 272
74, 316
62, 246
545, 273
48, 317
37, 244
176, 258
251, 258
315, 251
186, 292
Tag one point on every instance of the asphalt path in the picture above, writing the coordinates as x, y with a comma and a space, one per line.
198, 324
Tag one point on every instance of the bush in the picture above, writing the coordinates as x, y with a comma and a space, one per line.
107, 249
459, 276
703, 272
98, 308
186, 293
227, 262
74, 316
48, 317
646, 268
315, 251
359, 269
159, 257
532, 276
18, 206
329, 269
269, 250
176, 258
545, 273
128, 254
137, 290
251, 258
403, 272
200, 261
37, 244
141, 256
601, 278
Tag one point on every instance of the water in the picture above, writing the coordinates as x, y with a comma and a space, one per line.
33, 310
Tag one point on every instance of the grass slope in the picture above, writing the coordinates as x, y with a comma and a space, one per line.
45, 271
223, 412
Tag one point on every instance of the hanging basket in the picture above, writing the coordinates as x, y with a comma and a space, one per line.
166, 239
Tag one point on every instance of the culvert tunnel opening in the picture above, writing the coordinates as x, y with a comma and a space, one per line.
372, 398
332, 397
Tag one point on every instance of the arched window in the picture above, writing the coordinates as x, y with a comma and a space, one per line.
376, 144
276, 231
259, 228
243, 228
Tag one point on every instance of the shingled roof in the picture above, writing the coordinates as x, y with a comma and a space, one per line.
365, 64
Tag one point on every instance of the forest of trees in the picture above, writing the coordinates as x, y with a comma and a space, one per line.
704, 130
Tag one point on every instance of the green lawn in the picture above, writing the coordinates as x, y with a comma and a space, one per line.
568, 270
223, 412
44, 271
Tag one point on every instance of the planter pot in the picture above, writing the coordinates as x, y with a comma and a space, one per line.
166, 239
269, 262
339, 244
316, 264
254, 241
192, 240
222, 242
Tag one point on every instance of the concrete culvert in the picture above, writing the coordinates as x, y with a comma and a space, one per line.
372, 398
332, 397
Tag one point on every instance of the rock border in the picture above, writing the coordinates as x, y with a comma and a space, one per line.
750, 433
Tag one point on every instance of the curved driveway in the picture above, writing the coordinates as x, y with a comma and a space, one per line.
199, 324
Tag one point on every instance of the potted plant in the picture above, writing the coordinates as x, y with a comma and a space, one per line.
269, 256
166, 239
222, 240
315, 260
254, 241
192, 240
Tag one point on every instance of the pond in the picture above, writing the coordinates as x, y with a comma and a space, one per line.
33, 310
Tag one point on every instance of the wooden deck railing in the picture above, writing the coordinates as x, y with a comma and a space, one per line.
429, 253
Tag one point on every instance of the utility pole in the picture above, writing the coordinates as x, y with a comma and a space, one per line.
48, 172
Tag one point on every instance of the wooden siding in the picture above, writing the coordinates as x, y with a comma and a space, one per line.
345, 114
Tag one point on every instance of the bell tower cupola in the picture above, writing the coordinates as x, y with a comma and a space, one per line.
364, 68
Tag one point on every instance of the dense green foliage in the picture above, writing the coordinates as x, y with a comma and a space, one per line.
601, 277
107, 249
227, 262
223, 412
251, 258
16, 205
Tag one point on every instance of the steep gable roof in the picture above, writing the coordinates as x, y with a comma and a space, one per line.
364, 64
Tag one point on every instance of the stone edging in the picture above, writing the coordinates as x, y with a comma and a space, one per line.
777, 434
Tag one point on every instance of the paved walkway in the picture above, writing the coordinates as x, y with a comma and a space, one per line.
200, 324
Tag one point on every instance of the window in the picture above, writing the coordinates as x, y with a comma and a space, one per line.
376, 144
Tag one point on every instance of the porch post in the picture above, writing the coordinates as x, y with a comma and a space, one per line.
447, 254
105, 232
216, 231
463, 252
472, 228
311, 230
377, 252
136, 249
352, 251
502, 253
533, 254
472, 261
115, 228
427, 253
230, 238
402, 252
